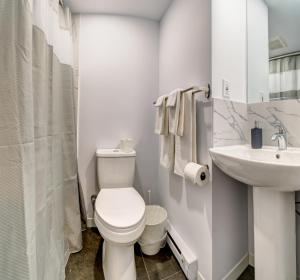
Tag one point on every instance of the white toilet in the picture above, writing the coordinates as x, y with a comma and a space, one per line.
119, 212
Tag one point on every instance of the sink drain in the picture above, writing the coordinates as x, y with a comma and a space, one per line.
278, 156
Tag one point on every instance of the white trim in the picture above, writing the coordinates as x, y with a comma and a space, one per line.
251, 259
90, 223
200, 276
238, 269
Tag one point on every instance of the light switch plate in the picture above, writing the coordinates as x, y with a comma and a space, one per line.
226, 89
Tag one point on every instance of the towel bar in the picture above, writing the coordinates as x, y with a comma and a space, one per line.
195, 89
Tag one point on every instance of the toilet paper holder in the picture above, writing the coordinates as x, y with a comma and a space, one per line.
203, 175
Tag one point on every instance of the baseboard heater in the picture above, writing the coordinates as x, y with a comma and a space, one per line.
183, 254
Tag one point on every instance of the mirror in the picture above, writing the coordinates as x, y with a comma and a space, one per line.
273, 31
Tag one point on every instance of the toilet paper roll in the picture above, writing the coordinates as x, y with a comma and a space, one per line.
197, 174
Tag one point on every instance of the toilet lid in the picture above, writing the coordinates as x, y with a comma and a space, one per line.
120, 208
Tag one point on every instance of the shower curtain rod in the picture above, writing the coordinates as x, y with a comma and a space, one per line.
195, 89
284, 55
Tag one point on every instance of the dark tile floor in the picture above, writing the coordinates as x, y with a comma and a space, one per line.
248, 274
86, 265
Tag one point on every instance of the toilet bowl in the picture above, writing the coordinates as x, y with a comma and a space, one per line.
119, 213
120, 218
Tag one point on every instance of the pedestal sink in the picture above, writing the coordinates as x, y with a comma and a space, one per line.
275, 175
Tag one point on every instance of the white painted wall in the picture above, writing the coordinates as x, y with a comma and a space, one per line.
229, 48
185, 61
230, 223
118, 83
258, 51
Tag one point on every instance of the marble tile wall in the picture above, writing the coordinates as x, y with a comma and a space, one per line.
230, 123
287, 112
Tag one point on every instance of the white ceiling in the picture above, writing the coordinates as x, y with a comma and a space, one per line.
284, 21
150, 9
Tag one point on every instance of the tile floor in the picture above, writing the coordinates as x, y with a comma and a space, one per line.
86, 265
248, 274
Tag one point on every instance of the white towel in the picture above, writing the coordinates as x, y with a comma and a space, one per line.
160, 100
173, 106
167, 151
180, 106
161, 119
186, 145
172, 96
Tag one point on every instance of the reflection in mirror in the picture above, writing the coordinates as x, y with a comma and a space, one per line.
273, 50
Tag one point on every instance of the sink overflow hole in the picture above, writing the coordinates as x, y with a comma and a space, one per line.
278, 156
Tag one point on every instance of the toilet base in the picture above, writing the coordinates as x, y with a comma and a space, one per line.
118, 262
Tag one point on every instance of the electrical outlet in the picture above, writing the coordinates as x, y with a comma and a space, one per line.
226, 89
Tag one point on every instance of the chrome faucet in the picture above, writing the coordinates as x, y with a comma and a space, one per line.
280, 137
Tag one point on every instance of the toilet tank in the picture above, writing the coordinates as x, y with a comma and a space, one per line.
115, 168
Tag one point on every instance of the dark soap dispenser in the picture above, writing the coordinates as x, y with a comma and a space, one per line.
256, 136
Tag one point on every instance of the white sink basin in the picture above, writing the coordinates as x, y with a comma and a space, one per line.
267, 167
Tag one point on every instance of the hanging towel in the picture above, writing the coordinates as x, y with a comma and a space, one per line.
173, 107
186, 145
171, 102
161, 119
181, 113
167, 151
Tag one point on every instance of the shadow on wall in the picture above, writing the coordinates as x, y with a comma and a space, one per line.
176, 189
137, 182
178, 184
204, 119
193, 202
91, 172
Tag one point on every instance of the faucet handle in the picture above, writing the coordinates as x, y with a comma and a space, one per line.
281, 128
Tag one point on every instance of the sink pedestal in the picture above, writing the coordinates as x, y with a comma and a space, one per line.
274, 234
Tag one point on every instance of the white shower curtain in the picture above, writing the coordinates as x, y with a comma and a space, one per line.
284, 79
39, 205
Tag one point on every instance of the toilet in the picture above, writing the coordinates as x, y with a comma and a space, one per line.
119, 212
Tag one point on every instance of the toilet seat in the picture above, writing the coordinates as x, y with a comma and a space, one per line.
120, 214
